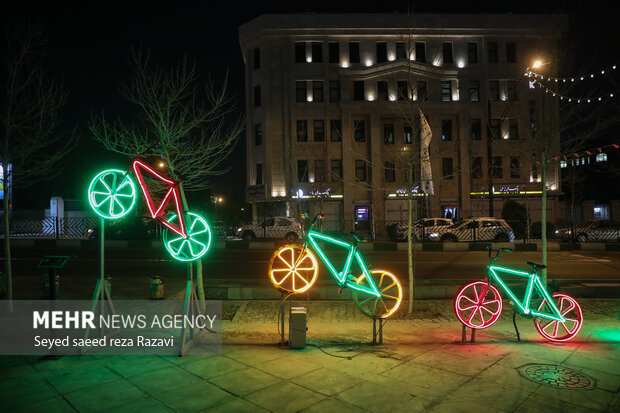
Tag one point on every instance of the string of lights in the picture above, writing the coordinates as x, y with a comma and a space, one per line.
592, 75
571, 99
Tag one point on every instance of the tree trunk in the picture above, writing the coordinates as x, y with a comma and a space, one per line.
543, 224
7, 238
409, 246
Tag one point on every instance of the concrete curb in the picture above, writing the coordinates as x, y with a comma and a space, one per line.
363, 246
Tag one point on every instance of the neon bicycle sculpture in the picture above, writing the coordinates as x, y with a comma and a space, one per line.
112, 194
478, 305
294, 269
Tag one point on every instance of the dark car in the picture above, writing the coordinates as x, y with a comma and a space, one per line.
601, 230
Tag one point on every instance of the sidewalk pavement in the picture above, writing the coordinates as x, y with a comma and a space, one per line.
422, 366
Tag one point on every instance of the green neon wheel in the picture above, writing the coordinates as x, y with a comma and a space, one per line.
112, 194
197, 242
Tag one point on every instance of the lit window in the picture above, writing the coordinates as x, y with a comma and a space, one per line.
562, 164
601, 157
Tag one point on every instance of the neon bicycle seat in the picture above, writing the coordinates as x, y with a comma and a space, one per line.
535, 266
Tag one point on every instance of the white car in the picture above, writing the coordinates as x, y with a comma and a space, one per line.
432, 228
480, 229
276, 227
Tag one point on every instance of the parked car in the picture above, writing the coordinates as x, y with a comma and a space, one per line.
276, 227
432, 228
480, 229
601, 230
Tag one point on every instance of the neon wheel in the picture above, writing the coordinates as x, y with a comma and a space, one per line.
112, 194
554, 330
197, 242
478, 304
390, 299
293, 269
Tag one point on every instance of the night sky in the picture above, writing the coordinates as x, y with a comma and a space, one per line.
89, 45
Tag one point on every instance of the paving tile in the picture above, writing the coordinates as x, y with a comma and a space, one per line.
55, 405
132, 367
287, 367
176, 360
507, 377
453, 361
82, 379
285, 397
105, 396
537, 403
422, 375
366, 366
236, 406
326, 381
193, 397
254, 356
244, 381
377, 398
163, 379
456, 405
494, 396
148, 404
599, 362
332, 406
25, 392
590, 399
213, 366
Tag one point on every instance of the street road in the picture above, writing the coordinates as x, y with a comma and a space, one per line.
130, 269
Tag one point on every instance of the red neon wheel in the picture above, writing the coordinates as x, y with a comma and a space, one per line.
554, 330
478, 305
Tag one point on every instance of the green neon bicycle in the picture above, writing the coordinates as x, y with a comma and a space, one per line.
294, 269
557, 317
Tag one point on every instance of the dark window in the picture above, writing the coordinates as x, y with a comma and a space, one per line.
381, 52
513, 129
421, 90
354, 52
382, 89
446, 130
408, 133
302, 170
257, 97
334, 90
258, 134
446, 91
474, 90
494, 90
317, 90
358, 90
511, 89
256, 58
388, 133
302, 130
511, 52
448, 57
476, 129
390, 171
334, 52
319, 170
403, 89
300, 52
400, 50
476, 167
336, 169
335, 130
300, 91
360, 130
446, 168
494, 128
515, 168
472, 52
319, 130
492, 52
259, 173
360, 170
420, 52
496, 168
317, 52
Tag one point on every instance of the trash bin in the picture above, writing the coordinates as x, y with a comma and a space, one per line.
157, 288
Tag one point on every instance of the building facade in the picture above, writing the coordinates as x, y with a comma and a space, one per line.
337, 106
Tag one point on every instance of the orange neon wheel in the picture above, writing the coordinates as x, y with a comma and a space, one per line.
390, 299
293, 269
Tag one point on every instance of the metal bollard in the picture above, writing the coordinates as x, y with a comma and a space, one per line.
156, 288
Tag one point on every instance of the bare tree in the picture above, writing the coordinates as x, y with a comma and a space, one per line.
30, 104
187, 123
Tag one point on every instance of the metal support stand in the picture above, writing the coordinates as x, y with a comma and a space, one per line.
282, 315
102, 294
191, 308
379, 332
514, 323
464, 335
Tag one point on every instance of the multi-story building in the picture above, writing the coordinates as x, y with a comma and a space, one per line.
333, 114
